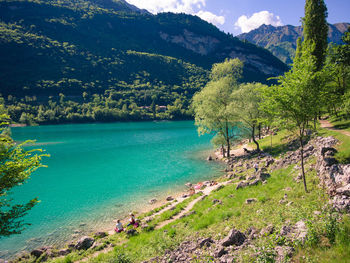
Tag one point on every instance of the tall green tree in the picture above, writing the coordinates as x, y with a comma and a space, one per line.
213, 113
292, 101
16, 166
246, 106
315, 30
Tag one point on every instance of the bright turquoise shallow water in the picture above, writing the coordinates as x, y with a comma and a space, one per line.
99, 172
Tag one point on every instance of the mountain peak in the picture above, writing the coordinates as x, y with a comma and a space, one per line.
281, 40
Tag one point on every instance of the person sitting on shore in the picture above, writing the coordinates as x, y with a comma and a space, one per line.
132, 221
119, 227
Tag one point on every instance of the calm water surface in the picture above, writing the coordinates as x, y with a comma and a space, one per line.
99, 172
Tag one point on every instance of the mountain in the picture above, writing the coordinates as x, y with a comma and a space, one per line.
281, 41
87, 48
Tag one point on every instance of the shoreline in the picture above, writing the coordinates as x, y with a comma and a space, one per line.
139, 210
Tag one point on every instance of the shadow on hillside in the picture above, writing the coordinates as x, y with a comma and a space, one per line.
342, 126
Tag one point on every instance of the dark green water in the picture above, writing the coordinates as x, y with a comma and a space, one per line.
99, 172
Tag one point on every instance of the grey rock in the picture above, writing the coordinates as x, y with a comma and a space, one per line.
84, 243
64, 252
267, 230
234, 237
250, 200
283, 252
285, 230
170, 198
37, 252
330, 161
255, 182
242, 184
345, 190
300, 231
205, 242
219, 252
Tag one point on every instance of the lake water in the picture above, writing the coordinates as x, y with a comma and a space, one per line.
99, 172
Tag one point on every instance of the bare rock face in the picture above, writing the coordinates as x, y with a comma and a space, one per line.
84, 243
234, 237
199, 44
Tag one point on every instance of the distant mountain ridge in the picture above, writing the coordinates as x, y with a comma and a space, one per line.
281, 40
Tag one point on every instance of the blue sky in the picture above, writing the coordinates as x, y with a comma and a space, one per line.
237, 16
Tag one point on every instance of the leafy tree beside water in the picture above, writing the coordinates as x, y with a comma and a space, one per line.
213, 113
16, 166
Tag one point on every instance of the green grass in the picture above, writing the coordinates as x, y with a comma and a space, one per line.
277, 145
340, 123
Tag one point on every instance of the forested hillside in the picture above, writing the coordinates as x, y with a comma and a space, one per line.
111, 56
282, 40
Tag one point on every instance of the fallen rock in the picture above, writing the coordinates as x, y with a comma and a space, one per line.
329, 161
242, 184
285, 230
64, 252
283, 252
234, 237
37, 252
255, 182
205, 242
209, 158
300, 231
267, 230
84, 243
345, 190
219, 252
170, 198
250, 200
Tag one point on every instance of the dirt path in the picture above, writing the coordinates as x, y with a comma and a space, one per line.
188, 208
327, 125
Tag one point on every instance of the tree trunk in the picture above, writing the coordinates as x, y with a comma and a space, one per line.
228, 142
271, 139
259, 131
253, 138
302, 158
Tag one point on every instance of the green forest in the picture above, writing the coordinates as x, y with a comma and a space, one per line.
87, 61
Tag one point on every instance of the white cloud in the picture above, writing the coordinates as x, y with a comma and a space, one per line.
211, 18
247, 24
176, 6
193, 7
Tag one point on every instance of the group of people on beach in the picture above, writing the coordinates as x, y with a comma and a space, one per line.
132, 222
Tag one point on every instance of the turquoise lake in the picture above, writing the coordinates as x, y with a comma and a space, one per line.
99, 172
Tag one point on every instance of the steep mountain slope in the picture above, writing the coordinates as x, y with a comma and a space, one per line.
281, 41
45, 43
